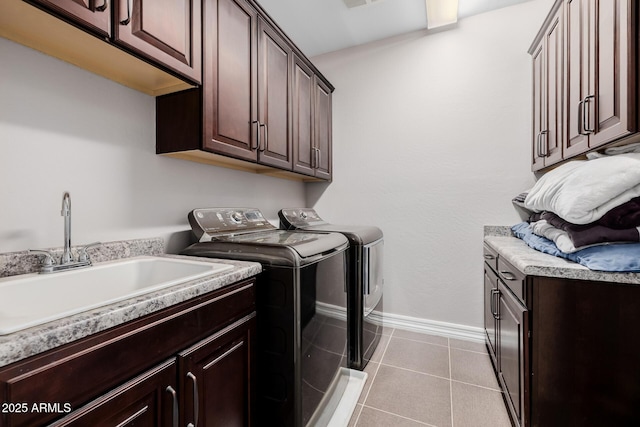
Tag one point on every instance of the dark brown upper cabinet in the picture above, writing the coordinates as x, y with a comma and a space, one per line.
262, 106
303, 120
548, 135
601, 69
92, 14
169, 32
246, 90
322, 130
274, 98
230, 79
584, 73
311, 123
150, 46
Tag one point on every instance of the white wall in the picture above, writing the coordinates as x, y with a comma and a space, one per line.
65, 129
431, 141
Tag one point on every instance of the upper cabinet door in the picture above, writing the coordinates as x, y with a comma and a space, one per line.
94, 15
577, 53
302, 109
322, 133
601, 57
539, 107
612, 81
553, 136
166, 31
274, 112
230, 78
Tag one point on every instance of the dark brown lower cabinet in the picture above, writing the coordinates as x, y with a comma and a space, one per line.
566, 354
147, 400
189, 363
585, 353
512, 330
506, 331
216, 378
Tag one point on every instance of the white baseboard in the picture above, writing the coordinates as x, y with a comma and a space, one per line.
433, 327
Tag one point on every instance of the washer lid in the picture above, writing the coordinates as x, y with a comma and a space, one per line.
305, 244
307, 219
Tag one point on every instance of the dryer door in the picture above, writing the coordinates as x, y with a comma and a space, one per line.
373, 261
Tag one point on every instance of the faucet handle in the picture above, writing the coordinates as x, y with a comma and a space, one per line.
48, 260
83, 256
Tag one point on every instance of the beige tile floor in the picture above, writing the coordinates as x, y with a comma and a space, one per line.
424, 380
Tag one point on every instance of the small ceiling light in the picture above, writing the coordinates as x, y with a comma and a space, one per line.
441, 13
355, 3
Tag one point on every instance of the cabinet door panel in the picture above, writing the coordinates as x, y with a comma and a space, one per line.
539, 108
302, 117
273, 88
490, 289
511, 330
576, 74
168, 31
219, 368
554, 132
230, 74
615, 114
91, 14
322, 135
144, 401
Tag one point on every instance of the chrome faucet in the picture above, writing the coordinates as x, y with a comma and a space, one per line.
66, 260
66, 213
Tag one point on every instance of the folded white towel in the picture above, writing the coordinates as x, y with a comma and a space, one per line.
559, 237
583, 191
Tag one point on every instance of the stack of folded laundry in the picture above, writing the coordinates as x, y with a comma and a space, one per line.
588, 211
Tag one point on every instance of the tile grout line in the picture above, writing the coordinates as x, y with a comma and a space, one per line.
398, 415
373, 377
450, 382
442, 345
440, 377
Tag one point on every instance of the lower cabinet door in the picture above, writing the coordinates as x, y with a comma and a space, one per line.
512, 327
490, 311
216, 377
148, 400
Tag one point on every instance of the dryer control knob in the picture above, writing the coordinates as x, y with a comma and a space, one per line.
236, 216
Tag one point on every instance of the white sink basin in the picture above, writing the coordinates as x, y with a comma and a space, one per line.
32, 299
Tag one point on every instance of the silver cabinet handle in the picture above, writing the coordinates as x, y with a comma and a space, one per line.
489, 256
494, 306
126, 21
508, 275
103, 7
319, 157
174, 396
587, 114
538, 146
266, 137
315, 163
257, 134
581, 117
195, 399
545, 153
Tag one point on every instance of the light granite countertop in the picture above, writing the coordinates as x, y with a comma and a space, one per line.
535, 263
38, 339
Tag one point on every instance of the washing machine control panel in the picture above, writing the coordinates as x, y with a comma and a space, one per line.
301, 217
208, 223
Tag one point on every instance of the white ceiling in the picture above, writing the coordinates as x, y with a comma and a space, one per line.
321, 26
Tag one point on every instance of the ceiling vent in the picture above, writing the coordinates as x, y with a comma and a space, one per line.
355, 3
